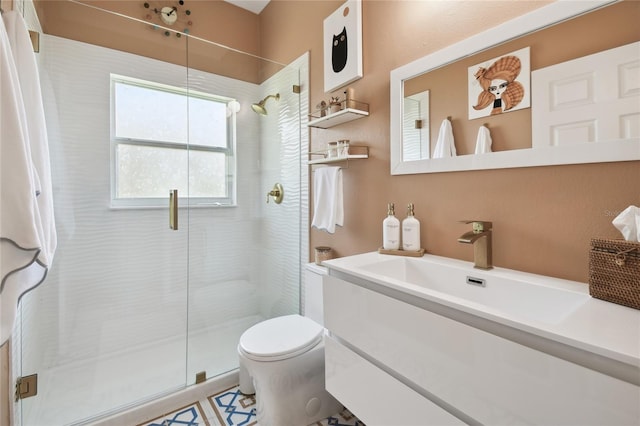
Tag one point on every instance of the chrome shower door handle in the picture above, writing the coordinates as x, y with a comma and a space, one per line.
173, 209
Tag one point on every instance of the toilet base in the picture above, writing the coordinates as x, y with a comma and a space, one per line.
246, 382
289, 392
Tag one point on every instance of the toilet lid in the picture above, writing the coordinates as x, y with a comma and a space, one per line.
280, 338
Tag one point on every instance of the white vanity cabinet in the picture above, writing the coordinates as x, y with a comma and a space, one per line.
377, 397
393, 362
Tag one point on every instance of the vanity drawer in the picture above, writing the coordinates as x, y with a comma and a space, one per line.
374, 396
489, 379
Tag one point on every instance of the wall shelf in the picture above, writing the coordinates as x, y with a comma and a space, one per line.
357, 152
356, 110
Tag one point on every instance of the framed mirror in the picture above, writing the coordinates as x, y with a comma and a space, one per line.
559, 36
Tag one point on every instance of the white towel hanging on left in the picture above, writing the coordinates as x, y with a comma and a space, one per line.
27, 229
328, 203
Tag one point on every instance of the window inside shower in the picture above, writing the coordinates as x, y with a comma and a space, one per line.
154, 128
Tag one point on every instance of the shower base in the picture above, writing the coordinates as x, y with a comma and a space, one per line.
143, 414
85, 392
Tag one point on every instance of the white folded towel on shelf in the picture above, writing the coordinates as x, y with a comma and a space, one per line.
328, 206
483, 141
445, 146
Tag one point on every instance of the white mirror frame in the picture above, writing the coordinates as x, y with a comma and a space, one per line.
619, 150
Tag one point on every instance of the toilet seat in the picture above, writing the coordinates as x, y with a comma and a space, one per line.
280, 338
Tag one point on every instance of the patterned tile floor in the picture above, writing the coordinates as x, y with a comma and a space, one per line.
232, 408
191, 415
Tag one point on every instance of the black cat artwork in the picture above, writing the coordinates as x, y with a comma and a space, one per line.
339, 51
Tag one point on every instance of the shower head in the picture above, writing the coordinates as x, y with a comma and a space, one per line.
259, 107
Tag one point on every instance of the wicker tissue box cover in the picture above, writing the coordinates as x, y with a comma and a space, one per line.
614, 271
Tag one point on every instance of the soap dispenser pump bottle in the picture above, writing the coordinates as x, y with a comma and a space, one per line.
410, 231
391, 230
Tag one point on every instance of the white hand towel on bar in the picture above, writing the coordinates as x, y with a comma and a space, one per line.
445, 146
328, 207
483, 141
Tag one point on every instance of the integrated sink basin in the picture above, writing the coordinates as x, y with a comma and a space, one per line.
513, 293
533, 309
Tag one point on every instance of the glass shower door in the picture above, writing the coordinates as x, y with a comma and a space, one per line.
131, 309
244, 257
107, 328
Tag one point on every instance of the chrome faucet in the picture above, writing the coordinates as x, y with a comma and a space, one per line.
480, 237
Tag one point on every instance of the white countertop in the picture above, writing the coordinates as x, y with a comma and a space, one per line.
593, 325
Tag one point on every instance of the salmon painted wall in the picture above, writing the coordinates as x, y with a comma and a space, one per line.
544, 217
218, 21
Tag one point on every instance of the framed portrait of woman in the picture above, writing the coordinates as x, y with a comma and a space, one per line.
500, 85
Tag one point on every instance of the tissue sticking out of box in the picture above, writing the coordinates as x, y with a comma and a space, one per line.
628, 223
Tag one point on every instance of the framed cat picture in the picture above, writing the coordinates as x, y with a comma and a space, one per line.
343, 46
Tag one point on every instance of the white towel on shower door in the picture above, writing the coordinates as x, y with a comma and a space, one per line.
26, 242
445, 146
30, 87
328, 203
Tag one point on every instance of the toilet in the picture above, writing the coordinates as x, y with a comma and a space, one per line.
282, 362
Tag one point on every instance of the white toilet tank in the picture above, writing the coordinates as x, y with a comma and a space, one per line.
313, 292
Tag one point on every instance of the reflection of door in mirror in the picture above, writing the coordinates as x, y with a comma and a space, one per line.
415, 127
590, 99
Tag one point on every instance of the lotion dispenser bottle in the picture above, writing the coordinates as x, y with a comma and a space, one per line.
391, 230
410, 231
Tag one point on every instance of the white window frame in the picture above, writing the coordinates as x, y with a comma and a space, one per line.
229, 150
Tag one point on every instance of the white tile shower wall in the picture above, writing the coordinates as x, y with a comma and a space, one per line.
100, 271
284, 138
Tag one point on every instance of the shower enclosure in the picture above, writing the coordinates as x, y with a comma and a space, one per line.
131, 309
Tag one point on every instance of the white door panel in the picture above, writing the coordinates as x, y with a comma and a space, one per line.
595, 98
